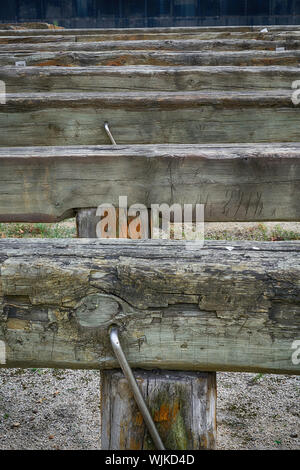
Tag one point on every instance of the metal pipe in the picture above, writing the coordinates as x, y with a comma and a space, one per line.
114, 339
106, 127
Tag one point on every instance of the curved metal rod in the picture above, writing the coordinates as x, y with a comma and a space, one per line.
106, 127
114, 339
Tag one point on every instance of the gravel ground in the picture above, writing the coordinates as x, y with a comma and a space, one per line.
59, 409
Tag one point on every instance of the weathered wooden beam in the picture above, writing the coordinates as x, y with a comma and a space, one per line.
131, 31
38, 39
146, 78
235, 182
183, 406
148, 35
227, 306
149, 117
160, 58
160, 45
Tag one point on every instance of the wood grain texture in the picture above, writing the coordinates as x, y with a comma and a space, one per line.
180, 29
38, 39
146, 78
148, 36
149, 118
235, 182
228, 306
86, 223
160, 58
163, 45
182, 404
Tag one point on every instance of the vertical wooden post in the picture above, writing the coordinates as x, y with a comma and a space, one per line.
182, 403
86, 222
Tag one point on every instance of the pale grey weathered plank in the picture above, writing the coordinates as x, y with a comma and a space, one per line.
235, 182
37, 39
162, 45
131, 31
183, 29
226, 306
149, 118
148, 35
146, 78
160, 58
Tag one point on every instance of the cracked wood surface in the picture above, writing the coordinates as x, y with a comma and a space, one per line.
146, 78
235, 182
166, 30
148, 36
149, 118
226, 306
160, 58
164, 45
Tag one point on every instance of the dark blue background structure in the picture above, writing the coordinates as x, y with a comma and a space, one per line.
147, 13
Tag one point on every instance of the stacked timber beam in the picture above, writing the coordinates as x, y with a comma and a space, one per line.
207, 322
237, 182
200, 115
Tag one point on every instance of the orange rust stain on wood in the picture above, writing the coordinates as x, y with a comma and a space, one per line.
167, 413
273, 61
117, 62
134, 445
53, 63
161, 62
47, 62
139, 419
166, 416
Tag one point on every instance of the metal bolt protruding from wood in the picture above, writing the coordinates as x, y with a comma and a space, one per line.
106, 127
